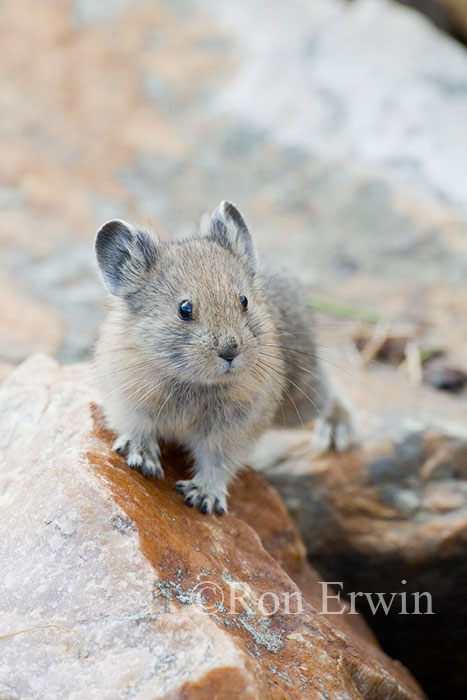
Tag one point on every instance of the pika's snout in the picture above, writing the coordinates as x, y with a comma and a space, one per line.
229, 351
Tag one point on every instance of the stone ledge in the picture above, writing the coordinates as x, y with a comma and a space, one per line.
101, 568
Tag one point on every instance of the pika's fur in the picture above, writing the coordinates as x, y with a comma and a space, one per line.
205, 347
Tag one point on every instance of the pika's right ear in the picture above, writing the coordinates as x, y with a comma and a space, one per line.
228, 228
125, 254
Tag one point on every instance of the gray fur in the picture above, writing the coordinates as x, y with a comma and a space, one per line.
163, 378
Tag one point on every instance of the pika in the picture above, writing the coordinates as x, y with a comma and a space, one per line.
205, 346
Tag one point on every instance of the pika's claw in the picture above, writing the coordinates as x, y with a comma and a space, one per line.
219, 508
135, 457
196, 495
336, 430
140, 457
345, 436
152, 467
121, 443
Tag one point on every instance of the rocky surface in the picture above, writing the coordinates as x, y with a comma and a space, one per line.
112, 587
391, 517
450, 15
458, 11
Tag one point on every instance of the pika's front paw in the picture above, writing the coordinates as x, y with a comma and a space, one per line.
207, 500
144, 458
336, 429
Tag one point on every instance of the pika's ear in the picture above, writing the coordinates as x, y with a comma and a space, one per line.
125, 254
230, 230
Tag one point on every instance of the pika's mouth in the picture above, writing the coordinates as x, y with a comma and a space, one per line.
229, 366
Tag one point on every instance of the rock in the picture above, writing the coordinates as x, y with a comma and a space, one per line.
355, 182
450, 15
334, 106
112, 587
390, 517
457, 10
25, 325
441, 375
5, 369
368, 184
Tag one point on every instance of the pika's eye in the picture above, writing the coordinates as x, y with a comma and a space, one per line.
244, 301
185, 310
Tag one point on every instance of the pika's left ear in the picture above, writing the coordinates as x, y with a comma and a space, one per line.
230, 230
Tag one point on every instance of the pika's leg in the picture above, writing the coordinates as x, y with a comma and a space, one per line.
311, 396
335, 427
208, 488
141, 454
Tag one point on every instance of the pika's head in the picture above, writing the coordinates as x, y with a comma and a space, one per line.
194, 307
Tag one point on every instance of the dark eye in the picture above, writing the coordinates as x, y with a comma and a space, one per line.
185, 310
244, 301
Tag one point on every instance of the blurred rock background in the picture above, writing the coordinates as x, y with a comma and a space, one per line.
338, 127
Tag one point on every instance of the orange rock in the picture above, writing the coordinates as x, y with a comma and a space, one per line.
111, 586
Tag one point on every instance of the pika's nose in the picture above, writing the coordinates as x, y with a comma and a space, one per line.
229, 352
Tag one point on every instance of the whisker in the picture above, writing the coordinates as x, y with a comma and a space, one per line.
256, 370
299, 389
304, 370
287, 394
98, 353
126, 368
115, 393
315, 357
177, 386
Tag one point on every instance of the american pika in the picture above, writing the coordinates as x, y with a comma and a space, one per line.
205, 346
